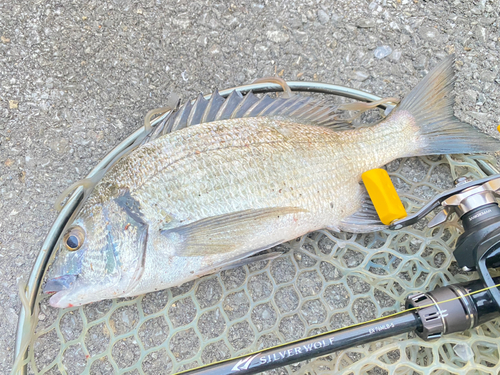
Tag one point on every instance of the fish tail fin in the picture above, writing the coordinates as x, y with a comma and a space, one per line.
430, 104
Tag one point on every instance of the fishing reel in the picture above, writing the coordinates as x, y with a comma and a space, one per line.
453, 308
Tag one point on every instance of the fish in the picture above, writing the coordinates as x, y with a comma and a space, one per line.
186, 203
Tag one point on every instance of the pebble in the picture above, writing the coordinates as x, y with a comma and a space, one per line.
301, 36
214, 49
323, 17
395, 55
277, 36
394, 25
202, 41
359, 75
480, 34
119, 124
336, 19
59, 145
382, 51
407, 30
471, 95
488, 76
295, 23
420, 62
429, 33
183, 23
481, 99
479, 116
366, 23
487, 21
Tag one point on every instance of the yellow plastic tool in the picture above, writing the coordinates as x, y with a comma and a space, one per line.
383, 195
498, 128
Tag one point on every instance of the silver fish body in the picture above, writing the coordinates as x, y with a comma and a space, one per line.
207, 196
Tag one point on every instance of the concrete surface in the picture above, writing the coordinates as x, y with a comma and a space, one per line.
77, 77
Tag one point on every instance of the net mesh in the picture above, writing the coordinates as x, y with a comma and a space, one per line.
324, 281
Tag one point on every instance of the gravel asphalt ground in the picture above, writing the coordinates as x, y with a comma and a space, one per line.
77, 77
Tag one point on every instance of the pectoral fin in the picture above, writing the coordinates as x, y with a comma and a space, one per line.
225, 233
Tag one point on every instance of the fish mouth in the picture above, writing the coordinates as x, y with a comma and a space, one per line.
58, 299
72, 290
59, 284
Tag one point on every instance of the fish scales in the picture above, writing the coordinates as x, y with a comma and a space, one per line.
234, 165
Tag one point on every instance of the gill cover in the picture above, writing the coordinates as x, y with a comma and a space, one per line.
101, 255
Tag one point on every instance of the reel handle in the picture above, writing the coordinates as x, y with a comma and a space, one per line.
437, 201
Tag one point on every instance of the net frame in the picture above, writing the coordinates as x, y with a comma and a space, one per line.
364, 362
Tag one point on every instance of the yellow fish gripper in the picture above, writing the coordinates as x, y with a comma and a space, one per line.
383, 195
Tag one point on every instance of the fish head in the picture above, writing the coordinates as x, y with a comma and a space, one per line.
100, 255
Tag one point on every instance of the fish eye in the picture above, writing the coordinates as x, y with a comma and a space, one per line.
74, 238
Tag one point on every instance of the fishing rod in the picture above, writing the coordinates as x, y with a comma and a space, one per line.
445, 310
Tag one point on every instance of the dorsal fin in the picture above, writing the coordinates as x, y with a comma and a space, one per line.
248, 100
229, 105
213, 107
304, 109
199, 106
258, 107
181, 117
284, 106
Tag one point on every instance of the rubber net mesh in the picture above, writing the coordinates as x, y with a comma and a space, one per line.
324, 281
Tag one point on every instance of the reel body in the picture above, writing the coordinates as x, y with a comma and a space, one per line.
453, 308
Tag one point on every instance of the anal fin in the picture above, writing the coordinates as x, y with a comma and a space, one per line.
364, 220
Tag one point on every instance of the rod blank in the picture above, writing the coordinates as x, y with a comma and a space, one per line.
326, 343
